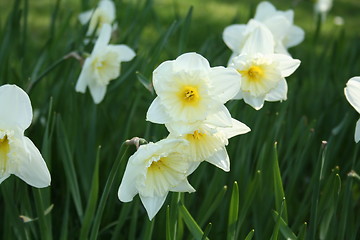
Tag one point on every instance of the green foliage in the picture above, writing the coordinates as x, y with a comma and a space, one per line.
299, 189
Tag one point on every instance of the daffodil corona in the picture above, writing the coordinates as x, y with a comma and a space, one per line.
189, 90
154, 170
103, 65
352, 94
18, 154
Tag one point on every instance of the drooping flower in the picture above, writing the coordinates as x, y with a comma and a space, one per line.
207, 142
98, 17
18, 154
154, 170
279, 23
189, 90
352, 94
103, 65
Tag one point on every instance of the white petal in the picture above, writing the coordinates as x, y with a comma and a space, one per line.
264, 10
255, 102
220, 159
295, 36
238, 96
279, 26
85, 17
108, 7
191, 62
127, 189
5, 176
161, 75
15, 108
85, 77
357, 131
236, 129
260, 39
156, 113
125, 53
221, 118
183, 186
287, 64
278, 93
233, 36
103, 39
225, 83
352, 92
97, 92
289, 14
32, 167
152, 204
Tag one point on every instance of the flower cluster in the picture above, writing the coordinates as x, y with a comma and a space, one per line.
190, 102
103, 65
260, 54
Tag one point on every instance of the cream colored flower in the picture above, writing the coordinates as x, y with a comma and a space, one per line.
352, 93
154, 170
207, 142
18, 154
103, 14
103, 65
189, 90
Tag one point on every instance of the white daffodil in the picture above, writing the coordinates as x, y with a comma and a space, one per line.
18, 154
322, 7
154, 170
97, 18
103, 65
263, 77
352, 93
279, 23
207, 142
189, 90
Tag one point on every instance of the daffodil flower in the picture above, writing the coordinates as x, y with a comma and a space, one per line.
207, 142
97, 18
322, 7
189, 90
18, 154
154, 170
263, 77
352, 94
280, 24
103, 65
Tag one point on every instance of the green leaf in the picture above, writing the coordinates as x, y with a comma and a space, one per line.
284, 228
233, 212
92, 200
250, 235
192, 225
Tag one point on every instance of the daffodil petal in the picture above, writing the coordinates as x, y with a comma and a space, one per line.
85, 17
278, 26
260, 39
152, 204
287, 64
226, 83
220, 159
103, 39
222, 118
352, 92
183, 186
233, 36
125, 53
256, 102
236, 129
238, 96
97, 92
127, 189
5, 176
357, 131
108, 7
191, 62
156, 113
264, 10
15, 108
295, 36
84, 78
32, 167
278, 93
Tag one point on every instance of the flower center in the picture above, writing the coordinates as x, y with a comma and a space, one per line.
158, 165
189, 95
4, 150
254, 73
195, 136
